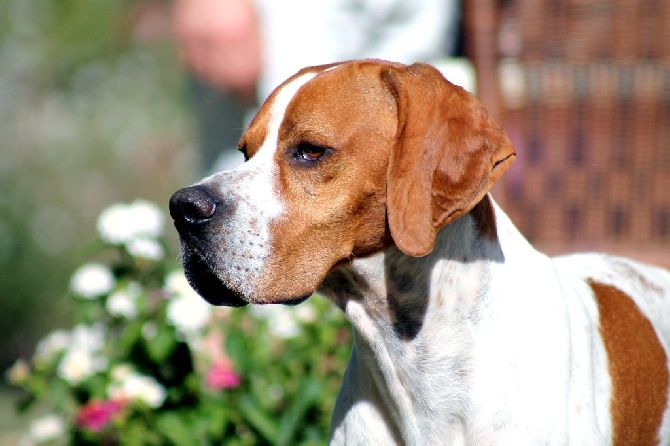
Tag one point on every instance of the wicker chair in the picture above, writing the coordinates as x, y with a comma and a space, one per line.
583, 89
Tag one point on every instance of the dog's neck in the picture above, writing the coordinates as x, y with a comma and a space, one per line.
412, 320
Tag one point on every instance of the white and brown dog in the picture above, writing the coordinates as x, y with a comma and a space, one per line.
368, 182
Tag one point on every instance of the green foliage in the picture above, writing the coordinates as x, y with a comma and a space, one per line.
92, 110
150, 363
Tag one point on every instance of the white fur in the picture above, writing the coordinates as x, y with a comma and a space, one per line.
511, 353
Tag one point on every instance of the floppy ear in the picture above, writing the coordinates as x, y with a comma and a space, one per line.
448, 153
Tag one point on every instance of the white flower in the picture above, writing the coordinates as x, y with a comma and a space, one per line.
76, 366
150, 218
88, 337
187, 310
121, 223
121, 371
114, 224
83, 357
17, 373
281, 320
92, 280
305, 312
146, 248
177, 285
189, 313
45, 429
135, 386
123, 302
54, 343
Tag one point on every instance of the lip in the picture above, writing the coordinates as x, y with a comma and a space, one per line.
203, 280
296, 301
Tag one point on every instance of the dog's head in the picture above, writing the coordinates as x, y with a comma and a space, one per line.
343, 161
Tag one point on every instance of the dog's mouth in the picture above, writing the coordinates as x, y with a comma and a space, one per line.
203, 280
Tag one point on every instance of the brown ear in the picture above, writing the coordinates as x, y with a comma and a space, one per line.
448, 153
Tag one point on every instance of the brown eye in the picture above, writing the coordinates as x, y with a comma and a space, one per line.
309, 152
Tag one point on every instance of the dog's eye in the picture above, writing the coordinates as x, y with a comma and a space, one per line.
309, 152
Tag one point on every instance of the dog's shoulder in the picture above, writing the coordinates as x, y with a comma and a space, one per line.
648, 286
634, 277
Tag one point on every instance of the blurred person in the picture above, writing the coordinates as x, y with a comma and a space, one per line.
238, 51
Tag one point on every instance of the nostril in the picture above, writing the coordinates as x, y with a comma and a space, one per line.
192, 205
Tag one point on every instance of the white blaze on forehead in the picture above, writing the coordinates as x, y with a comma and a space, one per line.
262, 166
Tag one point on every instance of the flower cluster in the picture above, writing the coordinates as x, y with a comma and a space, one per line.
136, 226
221, 376
128, 385
83, 356
150, 362
95, 415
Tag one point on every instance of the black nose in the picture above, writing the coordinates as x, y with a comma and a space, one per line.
193, 205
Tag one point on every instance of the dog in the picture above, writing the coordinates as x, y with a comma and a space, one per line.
368, 182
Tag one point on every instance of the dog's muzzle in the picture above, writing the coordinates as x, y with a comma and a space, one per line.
193, 209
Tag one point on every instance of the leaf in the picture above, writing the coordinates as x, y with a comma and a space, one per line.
265, 426
162, 345
175, 428
97, 387
25, 402
59, 393
130, 335
218, 419
308, 394
139, 432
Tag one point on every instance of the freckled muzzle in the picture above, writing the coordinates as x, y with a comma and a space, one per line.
193, 210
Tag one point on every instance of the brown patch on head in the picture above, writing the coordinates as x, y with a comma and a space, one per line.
638, 366
253, 138
255, 135
335, 206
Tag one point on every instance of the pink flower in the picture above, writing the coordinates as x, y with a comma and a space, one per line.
95, 415
221, 376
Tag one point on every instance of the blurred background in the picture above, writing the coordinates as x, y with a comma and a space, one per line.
96, 107
583, 89
92, 111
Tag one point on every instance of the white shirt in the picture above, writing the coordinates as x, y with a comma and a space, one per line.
300, 33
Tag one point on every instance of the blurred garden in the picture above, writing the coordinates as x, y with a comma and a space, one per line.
92, 111
97, 326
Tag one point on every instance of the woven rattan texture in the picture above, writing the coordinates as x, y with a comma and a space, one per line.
583, 89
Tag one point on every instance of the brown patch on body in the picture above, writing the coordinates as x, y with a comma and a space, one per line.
637, 366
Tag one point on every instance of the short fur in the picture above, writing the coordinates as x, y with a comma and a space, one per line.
368, 181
